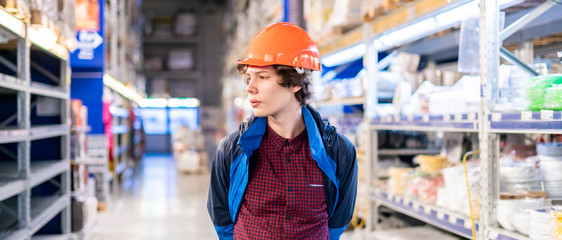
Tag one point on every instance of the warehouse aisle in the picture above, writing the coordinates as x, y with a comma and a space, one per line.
159, 204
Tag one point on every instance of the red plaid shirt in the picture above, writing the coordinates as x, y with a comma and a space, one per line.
285, 195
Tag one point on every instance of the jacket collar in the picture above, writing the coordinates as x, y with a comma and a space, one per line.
253, 129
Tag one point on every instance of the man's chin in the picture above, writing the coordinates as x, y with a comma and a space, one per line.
259, 113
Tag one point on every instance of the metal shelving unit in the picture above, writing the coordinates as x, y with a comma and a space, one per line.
24, 133
488, 124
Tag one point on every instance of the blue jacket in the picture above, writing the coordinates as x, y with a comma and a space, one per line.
333, 152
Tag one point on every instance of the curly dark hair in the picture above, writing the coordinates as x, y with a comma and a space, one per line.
290, 78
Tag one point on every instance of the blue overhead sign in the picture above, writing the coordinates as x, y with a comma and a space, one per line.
89, 25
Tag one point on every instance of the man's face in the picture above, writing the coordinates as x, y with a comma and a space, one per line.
267, 97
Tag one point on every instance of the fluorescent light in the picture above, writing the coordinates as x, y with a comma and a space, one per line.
119, 87
12, 23
42, 37
153, 102
183, 102
427, 26
344, 56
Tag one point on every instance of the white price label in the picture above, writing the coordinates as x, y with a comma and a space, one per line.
440, 215
425, 118
547, 114
471, 116
526, 115
446, 117
427, 210
458, 117
416, 206
496, 117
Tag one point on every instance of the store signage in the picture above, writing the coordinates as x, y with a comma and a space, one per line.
89, 25
87, 42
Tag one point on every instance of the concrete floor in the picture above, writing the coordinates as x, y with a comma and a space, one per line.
158, 203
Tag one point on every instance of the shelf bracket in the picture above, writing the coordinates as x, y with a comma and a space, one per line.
8, 153
514, 60
45, 72
9, 64
385, 62
54, 183
8, 210
517, 25
14, 116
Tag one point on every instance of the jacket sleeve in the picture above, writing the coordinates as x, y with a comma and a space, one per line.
347, 172
217, 202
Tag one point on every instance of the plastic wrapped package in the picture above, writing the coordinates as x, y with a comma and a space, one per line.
549, 149
512, 82
515, 177
514, 214
425, 188
154, 63
546, 224
180, 59
454, 195
431, 164
537, 88
346, 12
398, 179
468, 44
550, 157
186, 24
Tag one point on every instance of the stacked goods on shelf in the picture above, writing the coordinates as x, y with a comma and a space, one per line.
84, 212
98, 156
546, 224
163, 25
514, 214
550, 157
518, 176
20, 9
180, 59
545, 92
373, 9
398, 179
454, 194
57, 17
318, 16
346, 13
424, 188
188, 149
53, 18
185, 24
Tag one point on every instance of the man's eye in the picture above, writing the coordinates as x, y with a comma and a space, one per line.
247, 80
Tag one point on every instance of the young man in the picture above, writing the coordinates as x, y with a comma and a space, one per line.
285, 174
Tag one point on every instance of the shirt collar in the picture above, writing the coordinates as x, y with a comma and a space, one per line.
278, 142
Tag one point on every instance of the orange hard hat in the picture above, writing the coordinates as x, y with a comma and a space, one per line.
283, 44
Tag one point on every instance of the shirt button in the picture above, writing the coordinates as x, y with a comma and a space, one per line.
288, 217
290, 188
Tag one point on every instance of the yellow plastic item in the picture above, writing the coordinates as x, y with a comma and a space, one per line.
431, 164
398, 179
468, 191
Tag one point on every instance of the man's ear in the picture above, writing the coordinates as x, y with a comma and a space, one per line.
295, 89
